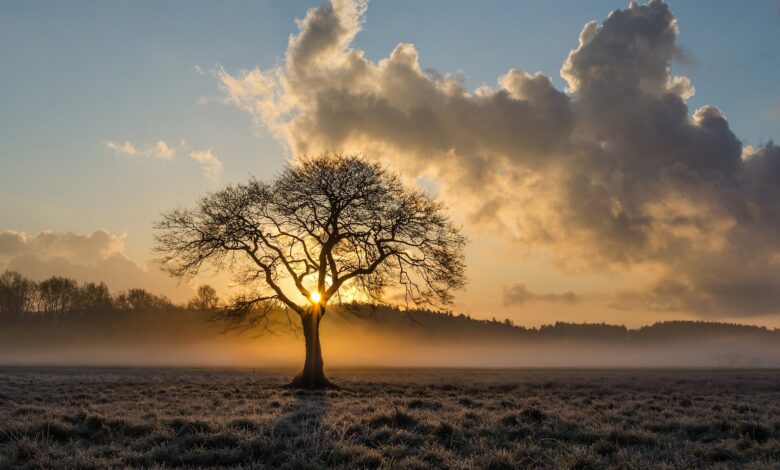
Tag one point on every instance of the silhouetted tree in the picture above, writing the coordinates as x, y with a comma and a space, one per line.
141, 300
205, 299
57, 295
323, 223
16, 294
92, 298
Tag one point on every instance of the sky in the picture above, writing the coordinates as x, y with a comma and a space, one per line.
602, 188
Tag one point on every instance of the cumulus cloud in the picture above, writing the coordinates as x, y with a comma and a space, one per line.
518, 294
125, 148
159, 150
85, 248
212, 167
613, 173
95, 257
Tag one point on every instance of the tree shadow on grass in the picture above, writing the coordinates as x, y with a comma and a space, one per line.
299, 437
295, 437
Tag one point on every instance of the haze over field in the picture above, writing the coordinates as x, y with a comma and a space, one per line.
366, 336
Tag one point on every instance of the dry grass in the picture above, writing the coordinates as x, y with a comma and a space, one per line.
77, 418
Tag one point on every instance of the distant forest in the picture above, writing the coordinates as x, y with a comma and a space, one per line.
58, 297
64, 301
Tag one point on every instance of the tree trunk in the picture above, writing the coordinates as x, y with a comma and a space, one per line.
312, 376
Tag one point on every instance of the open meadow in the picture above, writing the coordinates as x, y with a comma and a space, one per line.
444, 418
446, 235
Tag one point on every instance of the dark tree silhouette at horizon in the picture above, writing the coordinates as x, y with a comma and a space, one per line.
206, 298
322, 224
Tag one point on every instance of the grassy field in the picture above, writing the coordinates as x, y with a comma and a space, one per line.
82, 418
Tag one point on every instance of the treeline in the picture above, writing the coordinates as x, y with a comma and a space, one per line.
448, 324
57, 297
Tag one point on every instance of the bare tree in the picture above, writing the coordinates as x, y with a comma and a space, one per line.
205, 299
57, 295
323, 225
94, 298
16, 294
142, 300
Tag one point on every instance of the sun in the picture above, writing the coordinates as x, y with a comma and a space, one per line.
315, 297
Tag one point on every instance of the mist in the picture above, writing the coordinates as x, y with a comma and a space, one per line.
380, 337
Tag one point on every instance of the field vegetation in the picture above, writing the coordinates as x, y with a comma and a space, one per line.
447, 418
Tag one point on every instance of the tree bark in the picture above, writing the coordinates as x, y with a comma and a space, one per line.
313, 375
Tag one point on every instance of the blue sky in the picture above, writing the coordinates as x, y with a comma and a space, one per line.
77, 74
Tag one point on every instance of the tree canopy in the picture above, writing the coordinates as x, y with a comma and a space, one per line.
323, 223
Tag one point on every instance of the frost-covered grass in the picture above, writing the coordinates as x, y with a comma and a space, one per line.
69, 418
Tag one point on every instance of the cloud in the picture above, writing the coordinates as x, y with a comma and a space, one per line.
95, 257
615, 173
86, 248
125, 148
518, 294
159, 150
212, 167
